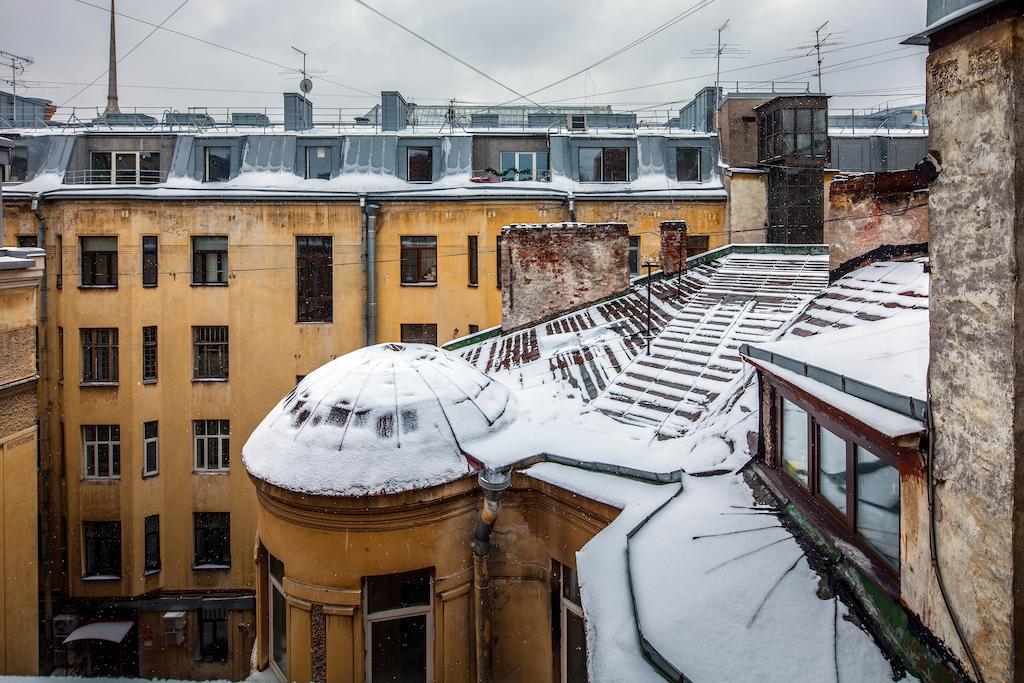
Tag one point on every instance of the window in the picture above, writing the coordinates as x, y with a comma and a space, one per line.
150, 448
697, 244
278, 618
419, 260
832, 469
212, 540
59, 256
524, 166
473, 329
99, 261
878, 505
99, 355
633, 256
152, 543
421, 165
28, 241
209, 260
101, 445
688, 163
571, 630
419, 334
124, 168
218, 164
799, 132
100, 168
210, 352
474, 260
150, 260
102, 551
604, 165
398, 626
149, 357
212, 445
794, 441
497, 261
213, 634
17, 170
577, 121
319, 162
315, 279
60, 354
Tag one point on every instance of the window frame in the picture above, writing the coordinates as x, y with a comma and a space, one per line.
207, 527
201, 274
88, 260
311, 150
409, 250
633, 255
276, 584
566, 606
404, 327
149, 565
370, 618
150, 354
213, 618
222, 438
113, 526
679, 157
148, 441
203, 351
314, 270
150, 260
113, 443
206, 163
409, 151
473, 260
90, 346
602, 165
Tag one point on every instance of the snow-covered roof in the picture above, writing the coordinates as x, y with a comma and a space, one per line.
383, 419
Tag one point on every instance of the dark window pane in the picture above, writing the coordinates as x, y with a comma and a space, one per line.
394, 591
209, 260
149, 354
218, 164
419, 260
28, 241
633, 256
100, 167
590, 165
697, 244
210, 352
102, 551
150, 261
688, 163
419, 333
126, 167
149, 167
314, 279
878, 505
213, 635
99, 355
319, 162
279, 628
421, 164
616, 165
474, 256
575, 648
794, 441
497, 261
399, 650
212, 538
152, 542
99, 261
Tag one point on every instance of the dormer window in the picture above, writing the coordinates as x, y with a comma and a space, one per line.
604, 165
421, 165
688, 164
123, 168
318, 162
218, 164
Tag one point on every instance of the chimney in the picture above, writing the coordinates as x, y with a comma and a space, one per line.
298, 112
550, 269
112, 107
394, 111
673, 247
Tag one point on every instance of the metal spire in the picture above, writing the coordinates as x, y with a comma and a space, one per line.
112, 107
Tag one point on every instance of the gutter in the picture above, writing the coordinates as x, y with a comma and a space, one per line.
370, 212
493, 482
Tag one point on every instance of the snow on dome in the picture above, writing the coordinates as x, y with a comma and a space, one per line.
383, 419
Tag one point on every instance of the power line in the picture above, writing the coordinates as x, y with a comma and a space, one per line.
650, 34
449, 54
224, 47
125, 55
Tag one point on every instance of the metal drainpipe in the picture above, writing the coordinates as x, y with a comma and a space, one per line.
44, 434
371, 211
493, 482
572, 207
365, 262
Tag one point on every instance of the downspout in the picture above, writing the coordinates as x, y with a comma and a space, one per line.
370, 212
44, 435
493, 482
366, 264
571, 199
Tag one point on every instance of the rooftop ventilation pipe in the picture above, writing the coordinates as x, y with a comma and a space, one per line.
493, 482
370, 212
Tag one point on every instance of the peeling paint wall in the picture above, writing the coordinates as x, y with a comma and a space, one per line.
975, 99
748, 207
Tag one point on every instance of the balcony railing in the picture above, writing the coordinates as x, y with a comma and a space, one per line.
491, 175
100, 177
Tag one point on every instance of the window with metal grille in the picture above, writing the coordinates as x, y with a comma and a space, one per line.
474, 260
212, 540
416, 333
149, 362
421, 165
213, 635
209, 260
419, 260
218, 164
212, 445
210, 352
150, 448
604, 165
633, 257
101, 448
152, 543
150, 260
314, 279
102, 549
99, 355
99, 261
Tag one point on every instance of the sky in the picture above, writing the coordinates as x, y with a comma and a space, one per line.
522, 44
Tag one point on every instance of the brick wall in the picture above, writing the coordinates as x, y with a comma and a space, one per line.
673, 247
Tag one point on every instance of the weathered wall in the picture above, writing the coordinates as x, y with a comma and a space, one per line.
673, 247
867, 212
737, 125
748, 207
975, 98
549, 268
487, 149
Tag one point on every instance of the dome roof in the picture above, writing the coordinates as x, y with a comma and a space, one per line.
383, 419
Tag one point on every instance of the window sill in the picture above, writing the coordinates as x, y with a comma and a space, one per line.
472, 285
314, 322
211, 660
225, 470
97, 286
149, 286
208, 284
150, 572
150, 475
101, 577
420, 182
101, 480
211, 567
149, 381
204, 380
99, 384
419, 284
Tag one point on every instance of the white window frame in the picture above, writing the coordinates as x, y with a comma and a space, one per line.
219, 438
94, 445
274, 584
369, 618
533, 165
146, 441
571, 122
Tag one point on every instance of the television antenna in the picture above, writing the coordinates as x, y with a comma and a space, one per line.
821, 40
17, 65
306, 84
718, 51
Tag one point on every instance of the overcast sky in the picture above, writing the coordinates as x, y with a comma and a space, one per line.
524, 44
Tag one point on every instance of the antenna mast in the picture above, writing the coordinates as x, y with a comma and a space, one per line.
719, 50
17, 65
820, 41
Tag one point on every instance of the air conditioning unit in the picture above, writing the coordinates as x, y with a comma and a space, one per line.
63, 625
175, 628
577, 121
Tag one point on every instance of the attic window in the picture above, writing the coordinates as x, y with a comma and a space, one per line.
319, 162
577, 121
218, 164
604, 164
688, 164
421, 165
